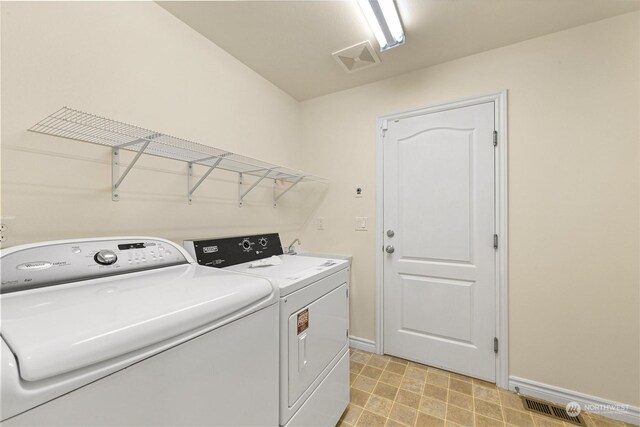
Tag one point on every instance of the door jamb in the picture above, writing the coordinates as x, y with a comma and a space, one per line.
501, 221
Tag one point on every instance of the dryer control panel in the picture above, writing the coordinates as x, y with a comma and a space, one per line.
46, 264
230, 251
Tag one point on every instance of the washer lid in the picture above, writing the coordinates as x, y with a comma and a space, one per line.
296, 271
62, 328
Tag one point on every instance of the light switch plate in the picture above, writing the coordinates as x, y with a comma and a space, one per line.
361, 223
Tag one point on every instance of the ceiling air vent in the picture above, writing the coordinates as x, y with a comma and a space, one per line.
357, 57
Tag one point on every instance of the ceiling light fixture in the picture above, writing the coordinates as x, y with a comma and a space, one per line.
384, 21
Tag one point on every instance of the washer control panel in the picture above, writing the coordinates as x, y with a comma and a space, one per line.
45, 264
230, 251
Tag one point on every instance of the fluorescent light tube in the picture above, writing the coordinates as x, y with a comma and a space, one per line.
384, 21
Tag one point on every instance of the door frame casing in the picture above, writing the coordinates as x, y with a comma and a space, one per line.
500, 221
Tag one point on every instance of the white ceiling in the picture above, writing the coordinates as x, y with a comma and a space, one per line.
290, 42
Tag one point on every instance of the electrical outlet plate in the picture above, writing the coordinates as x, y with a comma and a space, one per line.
361, 223
320, 223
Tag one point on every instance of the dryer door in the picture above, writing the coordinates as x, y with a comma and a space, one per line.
317, 334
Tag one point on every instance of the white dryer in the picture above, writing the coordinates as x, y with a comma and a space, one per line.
314, 322
130, 331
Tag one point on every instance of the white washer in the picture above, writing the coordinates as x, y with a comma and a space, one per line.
130, 331
314, 321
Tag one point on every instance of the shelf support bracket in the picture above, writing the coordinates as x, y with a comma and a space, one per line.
139, 140
190, 189
277, 196
242, 194
117, 179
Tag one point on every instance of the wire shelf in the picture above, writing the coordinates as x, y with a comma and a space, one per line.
77, 125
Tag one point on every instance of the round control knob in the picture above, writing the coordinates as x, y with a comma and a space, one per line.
246, 244
263, 241
105, 257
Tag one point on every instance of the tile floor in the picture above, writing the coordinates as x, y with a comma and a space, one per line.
387, 391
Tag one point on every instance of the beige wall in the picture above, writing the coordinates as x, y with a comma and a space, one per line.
574, 109
136, 63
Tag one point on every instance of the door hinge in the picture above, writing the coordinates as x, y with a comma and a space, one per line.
495, 138
347, 334
495, 345
495, 241
347, 292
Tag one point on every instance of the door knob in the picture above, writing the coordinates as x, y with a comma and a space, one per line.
390, 249
390, 233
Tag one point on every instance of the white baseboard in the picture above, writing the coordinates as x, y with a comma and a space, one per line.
561, 396
362, 344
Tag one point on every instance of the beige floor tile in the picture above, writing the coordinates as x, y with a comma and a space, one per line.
487, 422
403, 414
426, 420
460, 377
484, 393
542, 421
400, 361
435, 408
600, 421
396, 368
463, 401
460, 386
371, 372
391, 378
394, 423
408, 398
379, 405
351, 414
395, 392
364, 383
355, 367
488, 409
369, 419
416, 374
412, 384
483, 383
435, 392
437, 379
418, 366
352, 378
378, 361
359, 397
438, 371
459, 416
517, 418
360, 357
510, 400
385, 390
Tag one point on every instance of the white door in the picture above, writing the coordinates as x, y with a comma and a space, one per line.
439, 277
